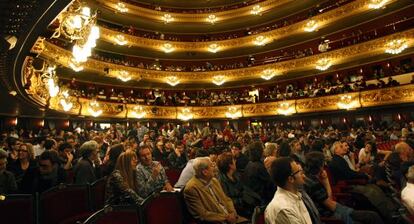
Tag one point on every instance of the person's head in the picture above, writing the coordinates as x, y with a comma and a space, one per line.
404, 150
145, 138
160, 145
3, 160
346, 146
284, 150
255, 150
287, 174
204, 168
236, 149
213, 152
47, 162
115, 151
368, 147
339, 149
410, 175
65, 148
126, 164
270, 149
180, 147
318, 145
314, 162
26, 151
13, 143
226, 162
71, 140
50, 144
295, 146
89, 150
145, 155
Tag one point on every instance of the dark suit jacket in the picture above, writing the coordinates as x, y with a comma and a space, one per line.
341, 171
85, 172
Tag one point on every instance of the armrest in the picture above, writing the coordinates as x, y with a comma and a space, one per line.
330, 220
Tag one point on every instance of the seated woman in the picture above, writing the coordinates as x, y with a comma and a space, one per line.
372, 161
244, 200
24, 162
122, 184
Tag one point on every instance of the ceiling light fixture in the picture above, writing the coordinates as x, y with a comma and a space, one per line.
396, 46
311, 26
94, 108
323, 64
219, 79
172, 80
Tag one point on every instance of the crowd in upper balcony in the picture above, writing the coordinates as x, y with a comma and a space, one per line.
369, 77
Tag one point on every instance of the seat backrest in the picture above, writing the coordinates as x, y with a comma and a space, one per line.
169, 204
62, 202
18, 209
258, 215
115, 215
173, 175
98, 193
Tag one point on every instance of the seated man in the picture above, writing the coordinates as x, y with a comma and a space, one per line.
407, 194
287, 205
150, 174
7, 181
205, 198
87, 170
318, 188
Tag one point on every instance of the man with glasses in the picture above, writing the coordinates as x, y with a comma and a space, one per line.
287, 205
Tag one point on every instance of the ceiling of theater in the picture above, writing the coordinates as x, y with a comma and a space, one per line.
196, 41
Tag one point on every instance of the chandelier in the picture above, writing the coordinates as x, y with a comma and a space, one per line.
213, 48
79, 26
167, 48
65, 101
138, 112
121, 7
185, 114
219, 79
376, 4
172, 80
212, 19
311, 26
233, 112
94, 108
347, 102
268, 74
50, 78
256, 10
323, 64
120, 39
396, 46
167, 18
75, 66
124, 76
286, 108
260, 40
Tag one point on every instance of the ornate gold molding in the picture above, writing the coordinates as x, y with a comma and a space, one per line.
339, 56
193, 17
322, 20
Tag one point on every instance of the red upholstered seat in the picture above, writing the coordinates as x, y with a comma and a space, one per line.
64, 202
98, 193
173, 175
115, 215
169, 204
18, 209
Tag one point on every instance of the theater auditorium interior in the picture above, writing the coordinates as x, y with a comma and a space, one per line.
206, 111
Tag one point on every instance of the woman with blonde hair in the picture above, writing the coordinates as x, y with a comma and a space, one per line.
24, 162
122, 184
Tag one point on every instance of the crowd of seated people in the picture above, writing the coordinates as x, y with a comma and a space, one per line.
225, 173
372, 78
297, 17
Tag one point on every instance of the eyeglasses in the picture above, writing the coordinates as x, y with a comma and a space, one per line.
293, 174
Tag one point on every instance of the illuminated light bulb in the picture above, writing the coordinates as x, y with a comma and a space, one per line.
167, 18
323, 64
347, 102
256, 10
120, 39
167, 48
94, 112
396, 46
212, 19
185, 114
65, 105
376, 4
260, 40
138, 112
311, 26
124, 76
172, 80
268, 74
286, 109
121, 7
52, 87
75, 66
219, 80
233, 113
213, 48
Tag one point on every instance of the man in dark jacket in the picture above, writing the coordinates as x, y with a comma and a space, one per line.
7, 180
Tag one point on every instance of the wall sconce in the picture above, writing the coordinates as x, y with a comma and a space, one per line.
172, 80
185, 114
323, 64
233, 112
311, 26
124, 76
260, 40
120, 39
167, 18
376, 4
347, 102
75, 65
286, 108
64, 101
213, 48
256, 10
138, 112
219, 79
94, 108
121, 7
212, 19
268, 74
167, 48
396, 46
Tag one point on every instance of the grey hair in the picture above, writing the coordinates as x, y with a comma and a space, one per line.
87, 148
200, 164
270, 149
410, 174
334, 145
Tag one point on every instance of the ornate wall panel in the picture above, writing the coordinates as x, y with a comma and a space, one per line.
403, 94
